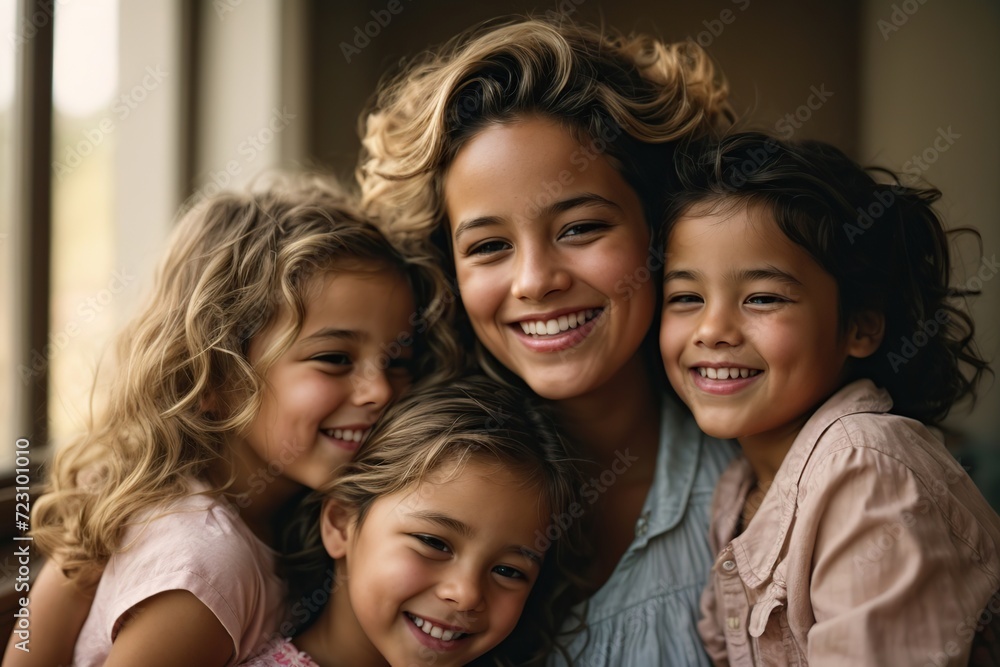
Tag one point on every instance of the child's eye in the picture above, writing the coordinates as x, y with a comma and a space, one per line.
488, 248
433, 542
334, 358
582, 228
765, 299
402, 366
684, 298
509, 572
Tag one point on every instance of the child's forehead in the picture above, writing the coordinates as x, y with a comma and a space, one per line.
741, 218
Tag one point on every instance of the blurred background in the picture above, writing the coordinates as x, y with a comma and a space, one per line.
113, 112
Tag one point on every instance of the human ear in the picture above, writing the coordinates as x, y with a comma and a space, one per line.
865, 333
334, 523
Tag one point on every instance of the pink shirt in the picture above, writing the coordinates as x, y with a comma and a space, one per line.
281, 652
201, 546
872, 547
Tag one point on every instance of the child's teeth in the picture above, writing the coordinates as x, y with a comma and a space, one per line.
338, 433
435, 631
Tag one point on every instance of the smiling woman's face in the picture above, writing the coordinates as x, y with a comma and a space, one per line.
551, 249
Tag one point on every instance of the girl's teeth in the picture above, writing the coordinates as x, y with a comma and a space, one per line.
726, 373
350, 435
434, 631
559, 324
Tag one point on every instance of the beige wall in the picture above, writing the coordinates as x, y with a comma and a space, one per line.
941, 69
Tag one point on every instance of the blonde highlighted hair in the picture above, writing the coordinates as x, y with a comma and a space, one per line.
233, 263
635, 93
471, 419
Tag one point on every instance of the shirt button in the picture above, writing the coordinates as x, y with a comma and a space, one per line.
642, 525
729, 566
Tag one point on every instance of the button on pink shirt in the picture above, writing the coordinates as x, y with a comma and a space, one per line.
872, 547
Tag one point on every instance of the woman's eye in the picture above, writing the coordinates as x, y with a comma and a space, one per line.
509, 572
488, 248
434, 543
334, 358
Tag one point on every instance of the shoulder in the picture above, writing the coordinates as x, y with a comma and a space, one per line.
197, 545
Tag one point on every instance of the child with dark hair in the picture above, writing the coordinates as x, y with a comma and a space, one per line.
847, 534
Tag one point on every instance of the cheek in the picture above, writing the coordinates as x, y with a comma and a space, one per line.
482, 293
506, 612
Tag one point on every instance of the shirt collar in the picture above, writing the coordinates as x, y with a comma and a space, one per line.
758, 547
676, 467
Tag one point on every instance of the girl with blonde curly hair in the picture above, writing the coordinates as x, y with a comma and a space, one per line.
530, 157
280, 326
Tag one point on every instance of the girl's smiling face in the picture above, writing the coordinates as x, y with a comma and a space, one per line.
551, 251
750, 335
437, 574
325, 391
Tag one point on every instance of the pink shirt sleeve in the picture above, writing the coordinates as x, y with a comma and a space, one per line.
902, 564
201, 547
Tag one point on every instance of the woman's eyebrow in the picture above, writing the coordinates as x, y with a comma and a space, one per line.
582, 199
561, 206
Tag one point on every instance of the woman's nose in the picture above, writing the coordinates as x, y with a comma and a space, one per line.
539, 272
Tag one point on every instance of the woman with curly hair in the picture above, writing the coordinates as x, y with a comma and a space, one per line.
531, 157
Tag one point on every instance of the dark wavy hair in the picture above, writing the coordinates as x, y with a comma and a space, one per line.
881, 241
474, 418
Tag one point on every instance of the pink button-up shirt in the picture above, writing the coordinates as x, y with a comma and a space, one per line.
872, 547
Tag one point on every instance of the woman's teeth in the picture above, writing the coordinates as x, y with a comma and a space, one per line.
726, 373
559, 324
435, 631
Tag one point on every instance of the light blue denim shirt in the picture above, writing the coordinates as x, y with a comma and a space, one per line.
646, 614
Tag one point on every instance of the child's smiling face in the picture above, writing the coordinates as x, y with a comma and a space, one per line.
750, 335
437, 574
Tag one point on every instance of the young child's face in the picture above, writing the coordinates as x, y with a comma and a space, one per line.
750, 336
324, 393
439, 574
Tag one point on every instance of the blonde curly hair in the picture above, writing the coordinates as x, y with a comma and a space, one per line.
233, 263
643, 93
